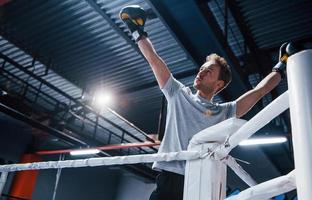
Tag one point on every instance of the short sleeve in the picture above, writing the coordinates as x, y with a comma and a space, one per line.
229, 109
171, 87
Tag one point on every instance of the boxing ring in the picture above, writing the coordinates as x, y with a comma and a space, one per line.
208, 156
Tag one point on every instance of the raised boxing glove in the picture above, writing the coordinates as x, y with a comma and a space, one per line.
283, 56
134, 17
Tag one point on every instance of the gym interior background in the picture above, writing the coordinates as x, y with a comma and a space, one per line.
56, 56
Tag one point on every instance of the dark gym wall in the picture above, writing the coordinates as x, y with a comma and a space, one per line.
98, 183
15, 139
133, 187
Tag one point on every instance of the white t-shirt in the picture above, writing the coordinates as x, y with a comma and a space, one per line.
187, 114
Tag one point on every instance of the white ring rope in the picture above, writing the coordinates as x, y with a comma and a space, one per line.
240, 172
116, 160
268, 189
276, 107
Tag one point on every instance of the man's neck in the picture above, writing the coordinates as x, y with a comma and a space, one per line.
205, 96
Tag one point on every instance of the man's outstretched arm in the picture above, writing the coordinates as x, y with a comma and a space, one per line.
158, 66
250, 98
245, 102
134, 17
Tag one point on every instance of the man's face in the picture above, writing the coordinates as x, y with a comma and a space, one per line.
207, 79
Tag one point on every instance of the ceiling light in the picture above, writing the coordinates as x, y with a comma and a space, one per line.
267, 140
84, 152
103, 99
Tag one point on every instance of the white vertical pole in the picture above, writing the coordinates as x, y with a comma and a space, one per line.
299, 71
3, 179
58, 175
205, 179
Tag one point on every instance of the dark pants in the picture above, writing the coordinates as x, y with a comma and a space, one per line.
169, 186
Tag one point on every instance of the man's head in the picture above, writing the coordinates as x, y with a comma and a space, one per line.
213, 76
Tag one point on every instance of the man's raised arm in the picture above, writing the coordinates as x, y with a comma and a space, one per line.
158, 66
250, 98
134, 17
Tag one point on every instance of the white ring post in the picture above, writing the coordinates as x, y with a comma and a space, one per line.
205, 178
299, 71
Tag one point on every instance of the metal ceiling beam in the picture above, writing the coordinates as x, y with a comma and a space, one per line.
185, 41
88, 108
17, 115
113, 24
249, 41
123, 35
302, 41
208, 15
263, 61
168, 20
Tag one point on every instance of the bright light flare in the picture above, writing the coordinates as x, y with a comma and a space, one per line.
103, 99
259, 141
84, 152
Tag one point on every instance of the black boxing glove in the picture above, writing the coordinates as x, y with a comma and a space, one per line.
283, 56
134, 17
287, 49
293, 48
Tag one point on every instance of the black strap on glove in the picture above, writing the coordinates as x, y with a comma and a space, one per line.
134, 17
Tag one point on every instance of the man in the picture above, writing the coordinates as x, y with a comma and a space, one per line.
189, 113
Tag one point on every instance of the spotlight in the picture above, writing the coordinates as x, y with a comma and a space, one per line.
103, 99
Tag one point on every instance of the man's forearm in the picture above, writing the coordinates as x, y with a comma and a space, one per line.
158, 66
150, 53
268, 83
250, 98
